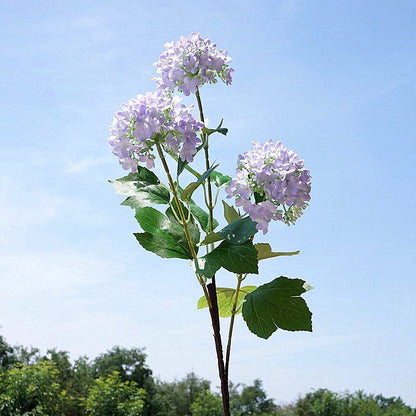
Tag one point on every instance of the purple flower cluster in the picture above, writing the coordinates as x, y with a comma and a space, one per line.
191, 62
149, 118
276, 179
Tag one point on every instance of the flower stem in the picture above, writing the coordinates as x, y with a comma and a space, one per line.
183, 218
212, 289
207, 165
215, 320
230, 330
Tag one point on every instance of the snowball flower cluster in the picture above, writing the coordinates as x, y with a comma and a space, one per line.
275, 178
149, 118
191, 62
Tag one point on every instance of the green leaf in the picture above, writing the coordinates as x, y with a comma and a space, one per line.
265, 252
164, 236
236, 258
142, 189
230, 213
162, 245
186, 194
219, 179
239, 231
152, 220
201, 216
277, 305
144, 175
177, 229
219, 129
184, 165
181, 166
211, 238
149, 195
206, 267
226, 297
207, 173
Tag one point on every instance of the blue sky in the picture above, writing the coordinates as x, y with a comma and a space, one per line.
334, 81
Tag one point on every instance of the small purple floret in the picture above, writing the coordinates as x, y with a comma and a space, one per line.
150, 117
191, 62
271, 184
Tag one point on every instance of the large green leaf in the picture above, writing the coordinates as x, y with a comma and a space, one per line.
162, 245
201, 216
143, 175
177, 229
239, 231
152, 194
142, 189
265, 252
277, 305
236, 258
164, 236
226, 298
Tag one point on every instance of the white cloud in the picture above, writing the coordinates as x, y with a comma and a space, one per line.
84, 165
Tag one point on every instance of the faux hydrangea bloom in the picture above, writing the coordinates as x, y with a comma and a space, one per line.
191, 62
150, 117
271, 184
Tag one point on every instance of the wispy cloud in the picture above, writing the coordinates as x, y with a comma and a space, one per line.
84, 165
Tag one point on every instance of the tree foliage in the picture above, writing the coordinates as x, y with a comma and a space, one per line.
324, 402
110, 396
120, 383
207, 404
32, 390
176, 398
251, 400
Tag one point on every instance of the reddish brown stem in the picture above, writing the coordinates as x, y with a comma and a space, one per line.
215, 320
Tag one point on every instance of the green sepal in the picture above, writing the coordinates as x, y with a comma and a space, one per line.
236, 258
277, 305
230, 213
142, 189
265, 252
225, 298
164, 236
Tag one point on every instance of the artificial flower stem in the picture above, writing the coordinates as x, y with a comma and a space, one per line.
214, 313
231, 328
207, 164
215, 320
183, 219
